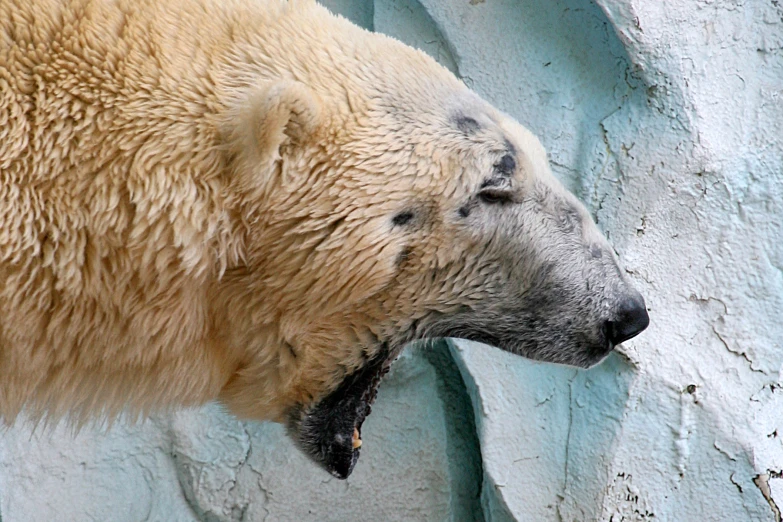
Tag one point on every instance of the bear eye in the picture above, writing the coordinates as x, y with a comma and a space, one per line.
495, 196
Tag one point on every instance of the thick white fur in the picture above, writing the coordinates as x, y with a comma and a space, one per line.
195, 200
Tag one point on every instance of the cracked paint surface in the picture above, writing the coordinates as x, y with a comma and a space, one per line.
666, 119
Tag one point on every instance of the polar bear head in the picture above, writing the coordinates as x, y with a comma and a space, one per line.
384, 202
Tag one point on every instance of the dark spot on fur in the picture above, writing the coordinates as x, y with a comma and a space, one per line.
464, 211
337, 223
467, 125
404, 255
510, 148
596, 252
291, 349
506, 165
403, 218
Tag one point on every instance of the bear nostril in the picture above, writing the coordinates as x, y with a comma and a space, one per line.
630, 320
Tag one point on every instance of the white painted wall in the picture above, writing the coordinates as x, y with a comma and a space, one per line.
667, 119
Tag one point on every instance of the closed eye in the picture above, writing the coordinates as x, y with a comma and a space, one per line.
496, 196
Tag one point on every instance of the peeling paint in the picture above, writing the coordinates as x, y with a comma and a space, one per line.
762, 482
666, 118
684, 431
624, 502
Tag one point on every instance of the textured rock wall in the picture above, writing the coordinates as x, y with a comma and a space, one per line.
420, 461
667, 119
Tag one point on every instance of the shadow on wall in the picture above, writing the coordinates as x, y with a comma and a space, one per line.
420, 460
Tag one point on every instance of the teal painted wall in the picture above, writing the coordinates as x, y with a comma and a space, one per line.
665, 118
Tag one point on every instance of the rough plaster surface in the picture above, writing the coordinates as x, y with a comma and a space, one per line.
667, 119
419, 462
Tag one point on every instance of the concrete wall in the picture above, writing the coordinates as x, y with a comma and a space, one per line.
420, 461
666, 118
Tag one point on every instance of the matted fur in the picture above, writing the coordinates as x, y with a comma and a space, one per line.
197, 202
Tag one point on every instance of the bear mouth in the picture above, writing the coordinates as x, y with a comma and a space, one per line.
329, 432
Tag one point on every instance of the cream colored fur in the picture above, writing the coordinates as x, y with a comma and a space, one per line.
153, 249
195, 201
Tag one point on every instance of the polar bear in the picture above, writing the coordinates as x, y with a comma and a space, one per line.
260, 203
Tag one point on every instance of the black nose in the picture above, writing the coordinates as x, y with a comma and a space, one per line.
630, 319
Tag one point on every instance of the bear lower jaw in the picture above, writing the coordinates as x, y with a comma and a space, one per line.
329, 432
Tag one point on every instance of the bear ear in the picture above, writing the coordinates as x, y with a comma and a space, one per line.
272, 118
